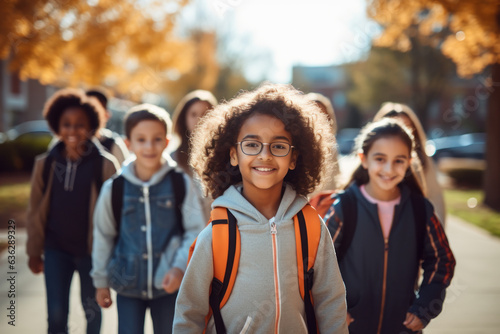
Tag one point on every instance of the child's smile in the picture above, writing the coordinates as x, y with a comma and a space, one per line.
147, 141
74, 128
387, 162
260, 169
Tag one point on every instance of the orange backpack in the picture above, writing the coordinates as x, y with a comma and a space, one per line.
226, 255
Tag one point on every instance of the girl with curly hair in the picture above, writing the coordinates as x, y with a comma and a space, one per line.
259, 156
65, 184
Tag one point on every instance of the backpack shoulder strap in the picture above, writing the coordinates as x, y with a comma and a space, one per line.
307, 236
350, 219
117, 200
226, 256
47, 167
107, 143
419, 210
179, 187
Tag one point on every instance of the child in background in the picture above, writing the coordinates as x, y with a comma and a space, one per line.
326, 107
387, 244
64, 188
142, 253
189, 110
259, 156
427, 175
111, 141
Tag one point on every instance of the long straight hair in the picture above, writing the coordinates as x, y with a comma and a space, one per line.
385, 128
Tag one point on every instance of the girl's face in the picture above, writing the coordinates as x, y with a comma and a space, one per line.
194, 113
387, 162
263, 171
74, 128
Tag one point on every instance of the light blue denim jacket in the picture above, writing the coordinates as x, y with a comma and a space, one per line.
134, 261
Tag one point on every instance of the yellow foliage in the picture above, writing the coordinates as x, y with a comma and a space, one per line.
474, 39
129, 44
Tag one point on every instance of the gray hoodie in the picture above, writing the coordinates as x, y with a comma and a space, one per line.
263, 300
176, 252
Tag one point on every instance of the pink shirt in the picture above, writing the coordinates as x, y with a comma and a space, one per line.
385, 210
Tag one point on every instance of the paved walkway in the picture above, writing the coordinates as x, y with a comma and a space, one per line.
472, 305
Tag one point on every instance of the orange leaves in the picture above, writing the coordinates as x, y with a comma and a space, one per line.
472, 40
94, 41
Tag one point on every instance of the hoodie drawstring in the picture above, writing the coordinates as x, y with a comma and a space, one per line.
69, 178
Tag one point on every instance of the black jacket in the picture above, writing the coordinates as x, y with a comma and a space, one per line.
380, 277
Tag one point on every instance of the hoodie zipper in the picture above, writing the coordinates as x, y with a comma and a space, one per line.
145, 191
384, 284
274, 233
384, 279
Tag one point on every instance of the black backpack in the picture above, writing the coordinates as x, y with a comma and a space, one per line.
117, 197
349, 210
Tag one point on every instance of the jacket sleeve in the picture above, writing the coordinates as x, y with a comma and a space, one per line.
104, 236
37, 211
328, 290
192, 305
438, 266
193, 222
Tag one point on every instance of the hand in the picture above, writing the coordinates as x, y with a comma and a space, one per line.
412, 322
103, 297
172, 280
349, 319
35, 263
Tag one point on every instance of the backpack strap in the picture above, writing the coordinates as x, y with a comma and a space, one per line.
117, 200
350, 219
419, 211
226, 249
226, 255
307, 236
107, 143
179, 193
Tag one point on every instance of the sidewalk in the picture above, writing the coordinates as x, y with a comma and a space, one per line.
30, 303
472, 304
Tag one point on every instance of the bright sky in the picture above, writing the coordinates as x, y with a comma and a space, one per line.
292, 32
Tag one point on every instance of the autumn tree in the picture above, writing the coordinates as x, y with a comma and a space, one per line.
468, 32
129, 45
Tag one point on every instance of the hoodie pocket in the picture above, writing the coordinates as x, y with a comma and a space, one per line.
122, 272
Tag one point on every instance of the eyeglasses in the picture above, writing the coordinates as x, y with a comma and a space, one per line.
254, 147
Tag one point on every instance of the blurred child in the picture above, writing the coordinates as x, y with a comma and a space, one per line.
64, 188
259, 156
427, 175
143, 228
326, 107
189, 110
382, 231
111, 141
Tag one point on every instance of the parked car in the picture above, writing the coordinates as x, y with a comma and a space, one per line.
22, 144
469, 145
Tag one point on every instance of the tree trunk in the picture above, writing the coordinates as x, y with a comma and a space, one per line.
492, 174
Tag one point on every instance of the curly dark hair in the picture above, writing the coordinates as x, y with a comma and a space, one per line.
218, 131
73, 98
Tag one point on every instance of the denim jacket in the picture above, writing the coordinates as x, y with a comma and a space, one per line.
134, 260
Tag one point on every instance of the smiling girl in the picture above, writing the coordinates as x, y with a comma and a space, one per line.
259, 155
395, 230
64, 188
